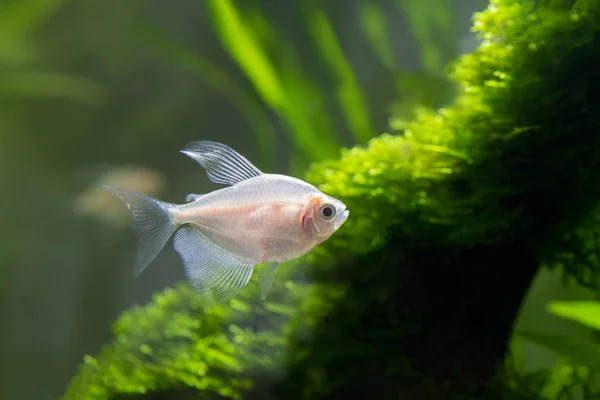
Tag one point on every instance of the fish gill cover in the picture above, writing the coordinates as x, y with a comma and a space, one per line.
453, 213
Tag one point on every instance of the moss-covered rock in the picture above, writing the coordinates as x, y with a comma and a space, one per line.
520, 133
451, 217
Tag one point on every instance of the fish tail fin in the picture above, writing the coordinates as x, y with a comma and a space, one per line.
152, 221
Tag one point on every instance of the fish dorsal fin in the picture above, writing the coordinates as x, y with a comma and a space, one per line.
222, 164
214, 272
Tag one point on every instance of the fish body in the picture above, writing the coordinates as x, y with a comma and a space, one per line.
259, 219
222, 235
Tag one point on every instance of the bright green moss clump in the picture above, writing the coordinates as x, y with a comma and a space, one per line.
174, 345
511, 169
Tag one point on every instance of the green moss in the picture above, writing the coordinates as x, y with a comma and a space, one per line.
512, 163
520, 134
173, 344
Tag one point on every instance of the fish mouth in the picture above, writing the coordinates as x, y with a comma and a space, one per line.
342, 218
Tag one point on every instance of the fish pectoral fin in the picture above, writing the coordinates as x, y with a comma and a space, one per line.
216, 273
222, 164
192, 197
265, 279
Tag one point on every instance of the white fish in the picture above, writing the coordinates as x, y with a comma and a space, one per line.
222, 235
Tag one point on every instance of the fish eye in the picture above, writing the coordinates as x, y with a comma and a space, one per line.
327, 211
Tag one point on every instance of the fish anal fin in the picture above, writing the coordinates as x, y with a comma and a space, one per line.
216, 273
222, 163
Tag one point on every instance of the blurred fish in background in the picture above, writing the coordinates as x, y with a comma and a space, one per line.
96, 202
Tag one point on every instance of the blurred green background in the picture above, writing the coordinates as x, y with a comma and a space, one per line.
99, 92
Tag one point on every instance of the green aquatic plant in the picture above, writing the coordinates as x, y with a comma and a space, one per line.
281, 81
452, 214
578, 369
431, 23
